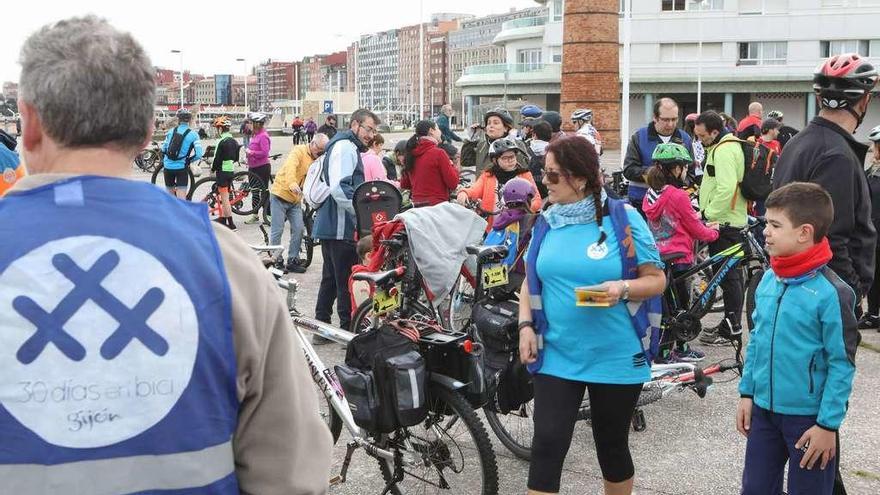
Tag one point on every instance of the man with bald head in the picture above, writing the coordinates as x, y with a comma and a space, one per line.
750, 127
286, 199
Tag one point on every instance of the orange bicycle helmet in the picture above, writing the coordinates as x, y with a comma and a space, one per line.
222, 121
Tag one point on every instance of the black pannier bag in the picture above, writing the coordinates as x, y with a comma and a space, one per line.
384, 380
509, 382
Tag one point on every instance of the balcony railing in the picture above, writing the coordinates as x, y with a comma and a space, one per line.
475, 70
524, 23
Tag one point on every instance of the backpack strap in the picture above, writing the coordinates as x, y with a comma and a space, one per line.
646, 315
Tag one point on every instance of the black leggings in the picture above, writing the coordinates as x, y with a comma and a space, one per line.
264, 172
557, 401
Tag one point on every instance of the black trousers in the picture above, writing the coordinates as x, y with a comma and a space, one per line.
339, 257
262, 198
557, 401
732, 285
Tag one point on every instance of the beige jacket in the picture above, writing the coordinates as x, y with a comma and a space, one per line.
281, 445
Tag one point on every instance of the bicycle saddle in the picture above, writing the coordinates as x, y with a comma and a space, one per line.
668, 258
484, 253
379, 278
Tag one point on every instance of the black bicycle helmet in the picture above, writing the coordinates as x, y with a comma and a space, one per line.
501, 146
184, 115
554, 119
501, 113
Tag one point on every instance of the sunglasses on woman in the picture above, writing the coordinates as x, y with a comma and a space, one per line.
553, 177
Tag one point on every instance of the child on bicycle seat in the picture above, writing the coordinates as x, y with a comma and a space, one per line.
360, 289
512, 226
800, 359
675, 224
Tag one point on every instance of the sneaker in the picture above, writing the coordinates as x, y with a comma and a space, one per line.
318, 340
710, 337
231, 225
666, 358
689, 355
221, 221
252, 220
868, 322
293, 266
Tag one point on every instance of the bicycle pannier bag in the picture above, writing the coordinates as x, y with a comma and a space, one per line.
363, 398
496, 322
402, 379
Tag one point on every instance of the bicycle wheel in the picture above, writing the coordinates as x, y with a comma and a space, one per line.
328, 414
362, 320
455, 451
307, 248
246, 185
514, 429
205, 191
755, 279
461, 302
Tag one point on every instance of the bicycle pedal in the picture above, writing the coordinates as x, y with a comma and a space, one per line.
336, 480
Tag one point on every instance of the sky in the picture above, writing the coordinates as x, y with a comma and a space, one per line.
213, 34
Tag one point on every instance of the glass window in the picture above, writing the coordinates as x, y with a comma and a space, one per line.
763, 53
529, 60
671, 5
556, 54
557, 10
837, 47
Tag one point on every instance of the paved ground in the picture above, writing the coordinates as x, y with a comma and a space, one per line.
690, 446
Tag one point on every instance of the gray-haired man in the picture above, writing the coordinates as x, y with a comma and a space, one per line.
166, 350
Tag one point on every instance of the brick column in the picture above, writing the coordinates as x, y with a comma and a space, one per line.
590, 65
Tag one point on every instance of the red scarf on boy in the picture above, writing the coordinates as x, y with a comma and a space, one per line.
804, 262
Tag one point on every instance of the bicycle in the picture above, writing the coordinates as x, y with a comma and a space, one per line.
307, 247
149, 157
243, 186
161, 166
432, 448
747, 255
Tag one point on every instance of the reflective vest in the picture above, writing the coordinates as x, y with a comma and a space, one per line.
117, 368
647, 142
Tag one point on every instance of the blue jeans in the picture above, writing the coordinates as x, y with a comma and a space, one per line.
291, 212
770, 444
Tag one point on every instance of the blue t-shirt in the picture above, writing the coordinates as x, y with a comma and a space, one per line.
590, 344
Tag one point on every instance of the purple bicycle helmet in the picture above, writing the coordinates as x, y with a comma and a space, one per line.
517, 190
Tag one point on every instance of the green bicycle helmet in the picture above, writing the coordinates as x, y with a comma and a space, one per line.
671, 154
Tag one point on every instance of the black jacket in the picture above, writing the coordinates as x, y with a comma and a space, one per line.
827, 155
227, 149
785, 135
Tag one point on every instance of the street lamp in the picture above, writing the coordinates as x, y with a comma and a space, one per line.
245, 83
624, 111
181, 75
702, 4
421, 59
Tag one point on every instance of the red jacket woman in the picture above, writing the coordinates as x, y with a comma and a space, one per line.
427, 171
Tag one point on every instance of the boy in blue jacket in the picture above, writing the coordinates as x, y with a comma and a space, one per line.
800, 359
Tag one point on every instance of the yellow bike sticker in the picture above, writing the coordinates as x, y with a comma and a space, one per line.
385, 301
495, 276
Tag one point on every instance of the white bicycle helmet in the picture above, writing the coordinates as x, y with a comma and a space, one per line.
874, 135
583, 114
258, 117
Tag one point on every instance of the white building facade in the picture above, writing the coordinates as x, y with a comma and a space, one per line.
740, 50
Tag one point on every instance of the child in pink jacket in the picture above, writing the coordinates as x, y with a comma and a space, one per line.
675, 224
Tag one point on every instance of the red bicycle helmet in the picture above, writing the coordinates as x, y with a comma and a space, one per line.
842, 80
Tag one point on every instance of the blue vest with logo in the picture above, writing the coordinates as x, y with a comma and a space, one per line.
116, 348
636, 190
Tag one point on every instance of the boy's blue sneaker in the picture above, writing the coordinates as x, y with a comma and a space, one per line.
690, 355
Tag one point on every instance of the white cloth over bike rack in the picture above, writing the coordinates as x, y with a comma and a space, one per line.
438, 238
